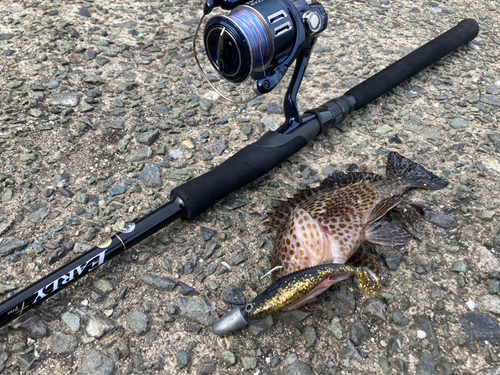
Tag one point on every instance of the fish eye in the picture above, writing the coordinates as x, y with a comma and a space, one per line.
249, 307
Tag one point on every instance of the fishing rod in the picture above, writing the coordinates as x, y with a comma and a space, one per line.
288, 33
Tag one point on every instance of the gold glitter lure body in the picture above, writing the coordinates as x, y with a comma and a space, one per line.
290, 287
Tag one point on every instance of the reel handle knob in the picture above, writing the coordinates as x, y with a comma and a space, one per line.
267, 84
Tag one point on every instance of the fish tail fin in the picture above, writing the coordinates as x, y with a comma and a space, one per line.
412, 174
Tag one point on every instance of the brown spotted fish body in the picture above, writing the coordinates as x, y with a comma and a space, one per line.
330, 222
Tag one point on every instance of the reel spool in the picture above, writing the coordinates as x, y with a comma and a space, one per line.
259, 40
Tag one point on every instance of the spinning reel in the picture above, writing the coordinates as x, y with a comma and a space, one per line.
259, 40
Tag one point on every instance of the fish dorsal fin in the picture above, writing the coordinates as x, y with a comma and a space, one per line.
387, 234
336, 181
355, 199
383, 207
280, 215
340, 179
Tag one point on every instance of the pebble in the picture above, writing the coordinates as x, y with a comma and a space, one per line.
5, 226
152, 178
485, 260
384, 129
495, 139
248, 362
6, 36
149, 137
391, 261
39, 215
12, 246
159, 283
489, 303
219, 146
93, 79
237, 259
162, 110
126, 24
34, 326
296, 368
198, 310
395, 344
235, 202
84, 12
494, 287
489, 100
227, 357
139, 155
82, 198
270, 123
459, 124
181, 174
257, 327
5, 288
310, 336
90, 55
72, 320
335, 327
275, 109
375, 308
440, 219
182, 358
233, 294
137, 321
207, 235
480, 327
96, 363
103, 285
427, 364
486, 215
436, 292
205, 104
66, 99
424, 323
459, 266
55, 255
53, 84
360, 333
26, 361
61, 343
98, 326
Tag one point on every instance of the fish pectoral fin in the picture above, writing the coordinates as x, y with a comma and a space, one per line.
383, 207
387, 234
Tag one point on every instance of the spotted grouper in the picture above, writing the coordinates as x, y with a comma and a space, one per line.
330, 222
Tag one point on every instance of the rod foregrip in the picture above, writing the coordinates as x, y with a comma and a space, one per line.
245, 166
401, 70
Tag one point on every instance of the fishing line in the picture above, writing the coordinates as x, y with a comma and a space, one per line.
130, 183
257, 36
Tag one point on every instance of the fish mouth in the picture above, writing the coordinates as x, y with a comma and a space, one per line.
231, 322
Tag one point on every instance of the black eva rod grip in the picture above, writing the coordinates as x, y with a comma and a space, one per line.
421, 58
245, 166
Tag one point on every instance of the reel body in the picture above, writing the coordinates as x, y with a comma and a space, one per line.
260, 39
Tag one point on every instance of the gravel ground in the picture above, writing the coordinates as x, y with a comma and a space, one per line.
95, 92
